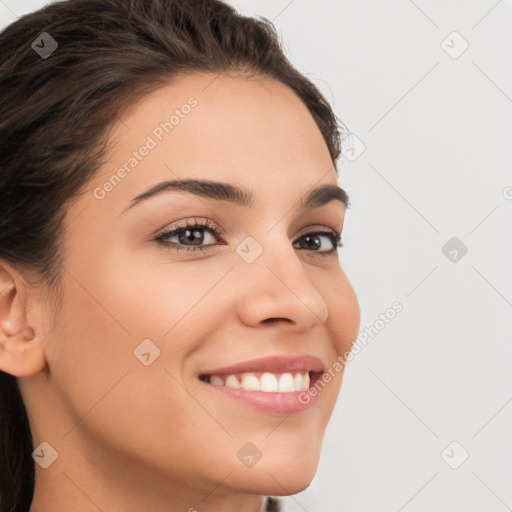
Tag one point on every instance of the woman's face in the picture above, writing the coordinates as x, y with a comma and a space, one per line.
141, 321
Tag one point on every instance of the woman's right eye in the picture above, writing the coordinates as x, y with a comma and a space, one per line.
191, 232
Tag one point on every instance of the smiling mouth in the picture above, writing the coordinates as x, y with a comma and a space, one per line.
267, 382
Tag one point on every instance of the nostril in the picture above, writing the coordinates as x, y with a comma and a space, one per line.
277, 319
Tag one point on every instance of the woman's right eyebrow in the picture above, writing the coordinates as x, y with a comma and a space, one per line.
238, 195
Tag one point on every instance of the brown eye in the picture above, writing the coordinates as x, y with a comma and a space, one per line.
190, 236
313, 241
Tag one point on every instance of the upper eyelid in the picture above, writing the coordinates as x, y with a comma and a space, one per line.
217, 230
191, 222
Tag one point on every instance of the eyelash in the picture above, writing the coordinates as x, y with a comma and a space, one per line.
217, 231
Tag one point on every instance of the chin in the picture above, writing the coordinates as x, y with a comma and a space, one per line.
279, 476
295, 483
275, 484
295, 474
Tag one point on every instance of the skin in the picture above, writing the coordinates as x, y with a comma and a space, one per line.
132, 437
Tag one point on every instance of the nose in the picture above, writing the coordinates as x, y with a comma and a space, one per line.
277, 288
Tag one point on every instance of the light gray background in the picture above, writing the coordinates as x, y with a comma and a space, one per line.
437, 163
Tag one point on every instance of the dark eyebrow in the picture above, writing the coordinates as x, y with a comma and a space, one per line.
238, 195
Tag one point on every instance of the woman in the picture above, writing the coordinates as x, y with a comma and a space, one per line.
171, 296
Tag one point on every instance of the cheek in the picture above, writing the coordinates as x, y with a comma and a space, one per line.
344, 314
111, 398
154, 297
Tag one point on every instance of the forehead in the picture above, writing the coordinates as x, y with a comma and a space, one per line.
252, 131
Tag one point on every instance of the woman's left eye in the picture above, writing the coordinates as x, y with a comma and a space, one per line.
312, 239
193, 233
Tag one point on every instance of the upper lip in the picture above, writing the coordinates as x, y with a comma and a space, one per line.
272, 364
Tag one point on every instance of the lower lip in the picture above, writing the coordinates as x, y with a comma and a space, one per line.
274, 403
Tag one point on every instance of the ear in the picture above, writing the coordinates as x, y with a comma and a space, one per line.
21, 352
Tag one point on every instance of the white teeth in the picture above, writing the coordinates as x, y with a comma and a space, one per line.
305, 382
250, 382
232, 382
286, 383
298, 381
267, 382
217, 381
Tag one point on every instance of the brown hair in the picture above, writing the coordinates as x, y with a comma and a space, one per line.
56, 108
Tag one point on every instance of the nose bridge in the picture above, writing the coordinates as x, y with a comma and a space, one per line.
277, 285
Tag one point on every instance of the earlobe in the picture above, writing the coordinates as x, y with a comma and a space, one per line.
21, 352
21, 358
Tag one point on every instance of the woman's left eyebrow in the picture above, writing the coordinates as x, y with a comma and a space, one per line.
238, 195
